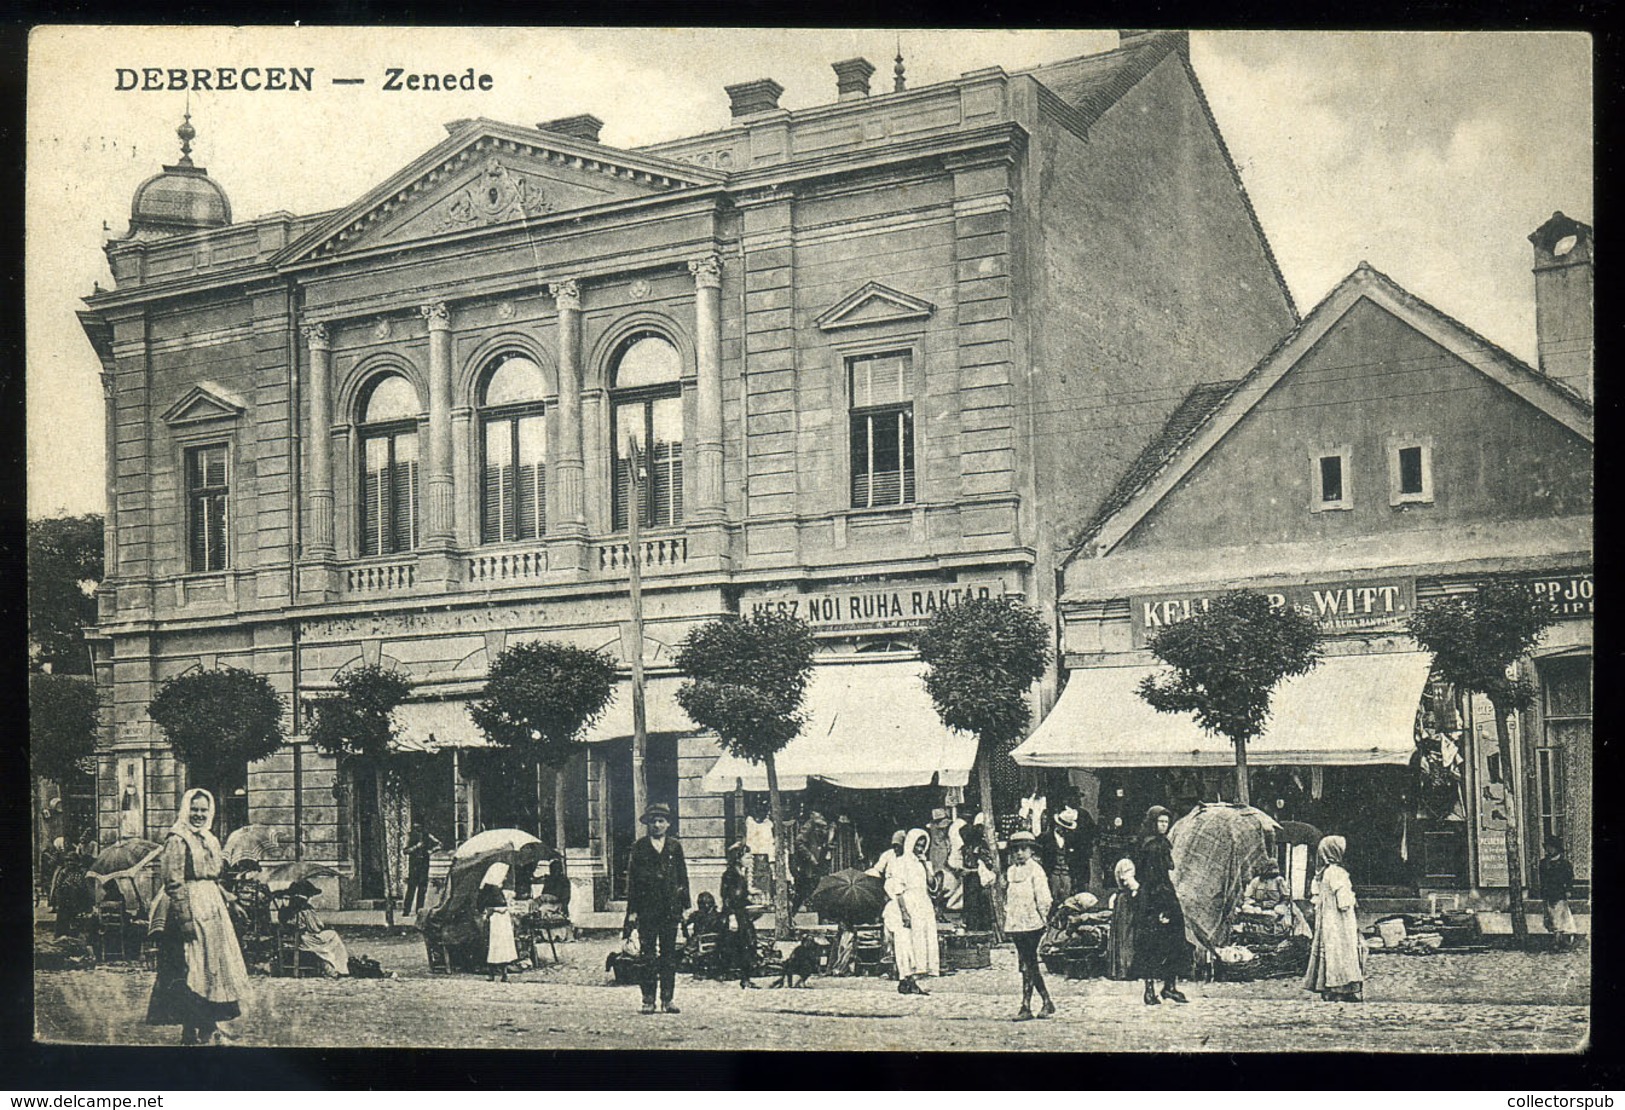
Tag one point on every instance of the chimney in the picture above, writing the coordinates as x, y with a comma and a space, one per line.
577, 127
752, 98
1563, 308
852, 78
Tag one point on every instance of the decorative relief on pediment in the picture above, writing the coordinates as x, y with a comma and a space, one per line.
496, 196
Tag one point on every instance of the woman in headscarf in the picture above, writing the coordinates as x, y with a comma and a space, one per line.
492, 901
201, 976
1160, 951
1120, 942
1336, 955
976, 865
910, 917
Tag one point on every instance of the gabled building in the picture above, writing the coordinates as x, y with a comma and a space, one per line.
1381, 455
879, 354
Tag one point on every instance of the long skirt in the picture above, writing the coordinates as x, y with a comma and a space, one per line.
1160, 948
172, 1001
327, 946
977, 904
499, 946
1120, 941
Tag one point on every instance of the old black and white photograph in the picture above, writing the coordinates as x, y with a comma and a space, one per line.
882, 540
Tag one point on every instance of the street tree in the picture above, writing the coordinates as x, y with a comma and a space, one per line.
61, 724
1227, 661
357, 726
218, 721
982, 657
1476, 640
64, 566
539, 698
747, 678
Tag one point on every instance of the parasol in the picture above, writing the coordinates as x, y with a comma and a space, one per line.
851, 896
1300, 832
282, 875
492, 840
253, 841
122, 856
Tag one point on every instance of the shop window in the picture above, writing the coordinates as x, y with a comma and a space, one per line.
513, 475
882, 429
207, 493
1566, 702
1410, 471
389, 468
646, 415
1330, 473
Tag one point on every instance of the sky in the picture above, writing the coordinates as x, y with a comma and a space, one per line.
1430, 156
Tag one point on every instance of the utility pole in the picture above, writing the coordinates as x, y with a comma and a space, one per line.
640, 724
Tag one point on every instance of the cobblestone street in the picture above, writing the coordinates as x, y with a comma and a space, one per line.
1474, 1002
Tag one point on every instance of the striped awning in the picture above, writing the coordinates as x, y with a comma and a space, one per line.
1351, 710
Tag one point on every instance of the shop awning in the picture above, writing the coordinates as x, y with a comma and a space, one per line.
870, 726
427, 726
1351, 710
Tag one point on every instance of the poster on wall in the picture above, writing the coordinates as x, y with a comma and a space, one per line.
1492, 779
132, 796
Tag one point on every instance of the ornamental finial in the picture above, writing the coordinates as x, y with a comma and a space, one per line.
187, 133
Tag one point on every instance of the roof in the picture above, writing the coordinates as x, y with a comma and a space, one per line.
1190, 433
1093, 83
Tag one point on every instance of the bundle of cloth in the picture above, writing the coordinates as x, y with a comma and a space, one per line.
1078, 926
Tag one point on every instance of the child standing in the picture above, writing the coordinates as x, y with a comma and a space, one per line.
1556, 883
1026, 913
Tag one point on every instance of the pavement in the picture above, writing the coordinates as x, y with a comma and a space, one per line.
1491, 1002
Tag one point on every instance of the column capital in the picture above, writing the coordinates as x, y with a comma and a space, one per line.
706, 270
315, 334
438, 314
566, 294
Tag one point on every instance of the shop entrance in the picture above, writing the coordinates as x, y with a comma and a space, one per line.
621, 826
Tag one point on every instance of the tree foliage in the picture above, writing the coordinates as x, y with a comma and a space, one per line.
61, 722
219, 720
747, 677
1227, 661
359, 721
64, 558
540, 695
1476, 638
983, 656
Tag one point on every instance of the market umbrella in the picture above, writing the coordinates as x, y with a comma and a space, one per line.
1300, 832
851, 896
122, 856
253, 841
282, 875
492, 839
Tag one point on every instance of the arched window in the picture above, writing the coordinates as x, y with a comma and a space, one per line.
647, 414
389, 467
513, 482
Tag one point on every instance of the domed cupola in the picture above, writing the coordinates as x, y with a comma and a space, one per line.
182, 198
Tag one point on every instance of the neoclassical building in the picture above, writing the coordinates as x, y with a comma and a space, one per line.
876, 355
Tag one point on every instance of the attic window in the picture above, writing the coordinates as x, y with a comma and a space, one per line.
1329, 474
1410, 471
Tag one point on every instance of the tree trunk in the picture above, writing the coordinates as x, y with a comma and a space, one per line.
781, 850
1520, 923
383, 842
558, 817
1243, 793
984, 783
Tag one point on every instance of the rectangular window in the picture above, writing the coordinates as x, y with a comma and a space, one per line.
1330, 476
389, 492
1410, 471
207, 491
656, 424
881, 429
514, 501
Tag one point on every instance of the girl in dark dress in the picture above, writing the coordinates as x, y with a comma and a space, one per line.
1160, 951
978, 900
736, 912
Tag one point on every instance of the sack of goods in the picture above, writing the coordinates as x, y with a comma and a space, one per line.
1074, 945
1236, 963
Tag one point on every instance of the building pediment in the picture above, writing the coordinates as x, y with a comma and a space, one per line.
874, 303
488, 174
204, 402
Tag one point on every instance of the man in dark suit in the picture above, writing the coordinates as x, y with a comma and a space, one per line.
656, 899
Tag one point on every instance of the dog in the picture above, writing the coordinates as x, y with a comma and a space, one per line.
803, 963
